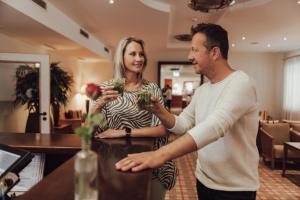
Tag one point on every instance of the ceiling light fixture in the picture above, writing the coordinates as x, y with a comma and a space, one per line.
233, 45
298, 2
269, 45
176, 73
284, 38
243, 38
209, 5
111, 1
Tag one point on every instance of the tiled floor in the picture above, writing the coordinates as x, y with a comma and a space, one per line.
272, 185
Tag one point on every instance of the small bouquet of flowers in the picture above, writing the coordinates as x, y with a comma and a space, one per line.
144, 99
119, 85
94, 120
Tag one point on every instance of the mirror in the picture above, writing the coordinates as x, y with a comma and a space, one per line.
182, 79
12, 119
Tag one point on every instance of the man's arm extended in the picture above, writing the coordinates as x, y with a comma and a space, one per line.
153, 159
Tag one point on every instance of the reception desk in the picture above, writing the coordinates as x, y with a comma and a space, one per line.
59, 184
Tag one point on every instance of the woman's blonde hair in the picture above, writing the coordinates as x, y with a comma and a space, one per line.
119, 57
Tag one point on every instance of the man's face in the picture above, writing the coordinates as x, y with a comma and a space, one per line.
199, 55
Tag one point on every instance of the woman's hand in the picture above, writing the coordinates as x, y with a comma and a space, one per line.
111, 133
108, 94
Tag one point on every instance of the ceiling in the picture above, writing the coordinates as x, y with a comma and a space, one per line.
261, 22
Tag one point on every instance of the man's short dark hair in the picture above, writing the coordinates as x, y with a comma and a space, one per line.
216, 36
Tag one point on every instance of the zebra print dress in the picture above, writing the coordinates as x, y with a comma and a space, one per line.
124, 112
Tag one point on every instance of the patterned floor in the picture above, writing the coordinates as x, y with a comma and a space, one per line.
272, 185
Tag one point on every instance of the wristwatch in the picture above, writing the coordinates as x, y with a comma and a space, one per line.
127, 132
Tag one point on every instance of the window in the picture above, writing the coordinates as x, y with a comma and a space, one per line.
291, 89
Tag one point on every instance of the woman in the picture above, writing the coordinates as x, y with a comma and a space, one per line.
123, 115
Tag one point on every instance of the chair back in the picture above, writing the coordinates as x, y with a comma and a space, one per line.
279, 131
295, 126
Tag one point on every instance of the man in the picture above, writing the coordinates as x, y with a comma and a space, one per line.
221, 122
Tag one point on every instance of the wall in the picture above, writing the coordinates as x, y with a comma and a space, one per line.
83, 73
267, 71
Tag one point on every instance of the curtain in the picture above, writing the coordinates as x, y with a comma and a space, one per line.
291, 89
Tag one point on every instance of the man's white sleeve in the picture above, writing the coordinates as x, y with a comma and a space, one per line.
237, 99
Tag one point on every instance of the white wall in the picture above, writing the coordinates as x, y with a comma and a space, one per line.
266, 70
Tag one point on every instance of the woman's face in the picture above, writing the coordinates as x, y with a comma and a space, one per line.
134, 58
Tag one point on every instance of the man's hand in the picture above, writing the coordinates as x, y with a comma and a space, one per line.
111, 133
140, 161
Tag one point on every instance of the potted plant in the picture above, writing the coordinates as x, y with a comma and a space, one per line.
27, 92
60, 86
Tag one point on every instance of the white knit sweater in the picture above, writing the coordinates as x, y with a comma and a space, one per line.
222, 118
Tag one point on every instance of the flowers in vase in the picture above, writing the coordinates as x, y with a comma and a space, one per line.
94, 120
90, 124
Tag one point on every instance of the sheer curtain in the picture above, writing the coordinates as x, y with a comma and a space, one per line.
291, 89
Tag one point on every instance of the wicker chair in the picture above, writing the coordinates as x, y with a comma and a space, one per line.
273, 136
295, 126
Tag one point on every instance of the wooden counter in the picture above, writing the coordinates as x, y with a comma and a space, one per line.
113, 184
43, 143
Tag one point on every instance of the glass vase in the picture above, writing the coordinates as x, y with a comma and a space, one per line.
86, 173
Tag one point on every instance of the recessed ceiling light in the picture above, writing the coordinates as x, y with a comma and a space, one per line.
111, 1
194, 19
284, 38
268, 45
298, 2
243, 38
233, 45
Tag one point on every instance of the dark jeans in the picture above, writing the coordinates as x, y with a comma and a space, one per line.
205, 193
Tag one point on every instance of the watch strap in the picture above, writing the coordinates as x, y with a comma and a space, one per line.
127, 132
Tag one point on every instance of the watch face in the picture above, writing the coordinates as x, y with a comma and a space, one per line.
128, 130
